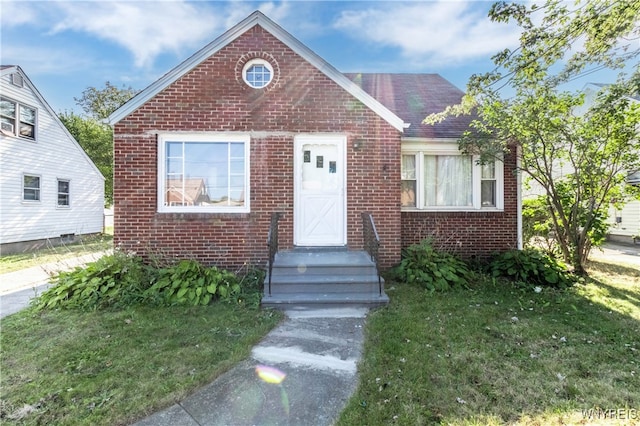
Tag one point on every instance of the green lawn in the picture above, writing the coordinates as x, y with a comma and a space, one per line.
492, 354
112, 368
86, 246
500, 355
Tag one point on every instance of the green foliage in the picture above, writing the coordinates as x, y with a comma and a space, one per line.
96, 139
536, 221
251, 283
121, 280
576, 148
190, 283
531, 267
100, 103
432, 269
115, 280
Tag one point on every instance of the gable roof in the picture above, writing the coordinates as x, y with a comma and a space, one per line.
256, 18
10, 69
413, 97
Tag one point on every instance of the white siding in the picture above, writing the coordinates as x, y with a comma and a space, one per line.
54, 155
629, 215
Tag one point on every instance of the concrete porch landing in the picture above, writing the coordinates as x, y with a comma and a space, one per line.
325, 277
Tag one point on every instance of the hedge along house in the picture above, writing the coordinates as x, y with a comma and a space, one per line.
255, 124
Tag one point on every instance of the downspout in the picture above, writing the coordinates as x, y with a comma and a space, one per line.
519, 197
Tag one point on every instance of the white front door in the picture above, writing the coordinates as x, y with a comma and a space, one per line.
320, 196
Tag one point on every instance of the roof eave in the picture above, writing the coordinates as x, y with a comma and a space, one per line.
54, 116
256, 18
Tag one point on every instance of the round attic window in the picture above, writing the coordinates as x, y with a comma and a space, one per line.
257, 73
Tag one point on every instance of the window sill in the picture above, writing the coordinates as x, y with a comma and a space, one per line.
205, 212
451, 210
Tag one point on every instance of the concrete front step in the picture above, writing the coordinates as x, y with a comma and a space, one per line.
333, 283
287, 301
327, 277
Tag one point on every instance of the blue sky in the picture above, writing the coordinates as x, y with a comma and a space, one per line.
68, 46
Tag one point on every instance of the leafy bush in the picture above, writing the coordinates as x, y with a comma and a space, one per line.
251, 283
114, 280
531, 267
432, 269
188, 282
120, 280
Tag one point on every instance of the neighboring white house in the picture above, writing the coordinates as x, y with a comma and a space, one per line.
50, 190
624, 222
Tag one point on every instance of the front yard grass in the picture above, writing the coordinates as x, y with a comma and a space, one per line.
115, 367
91, 245
496, 354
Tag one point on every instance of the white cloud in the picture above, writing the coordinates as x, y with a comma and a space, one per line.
15, 13
146, 29
432, 32
44, 59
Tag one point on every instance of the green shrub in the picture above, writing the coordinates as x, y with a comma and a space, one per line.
113, 280
532, 267
251, 283
190, 283
120, 280
432, 269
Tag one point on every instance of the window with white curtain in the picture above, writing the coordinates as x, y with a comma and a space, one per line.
438, 177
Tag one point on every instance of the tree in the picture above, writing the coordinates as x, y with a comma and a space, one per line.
100, 103
552, 127
96, 137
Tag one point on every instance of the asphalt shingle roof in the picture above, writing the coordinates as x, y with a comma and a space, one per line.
412, 97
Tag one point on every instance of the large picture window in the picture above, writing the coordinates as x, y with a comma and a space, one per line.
203, 173
439, 177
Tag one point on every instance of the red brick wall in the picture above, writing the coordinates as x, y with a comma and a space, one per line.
212, 97
469, 234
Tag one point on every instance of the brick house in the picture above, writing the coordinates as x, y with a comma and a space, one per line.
269, 127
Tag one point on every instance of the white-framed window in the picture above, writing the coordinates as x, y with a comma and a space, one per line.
437, 176
17, 119
30, 187
257, 73
64, 193
203, 172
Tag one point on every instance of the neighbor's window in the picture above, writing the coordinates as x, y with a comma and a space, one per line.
17, 119
257, 73
30, 188
203, 173
449, 180
63, 193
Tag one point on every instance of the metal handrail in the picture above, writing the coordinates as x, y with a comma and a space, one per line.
272, 242
372, 242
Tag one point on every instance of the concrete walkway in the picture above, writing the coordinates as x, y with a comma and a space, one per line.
19, 287
302, 373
